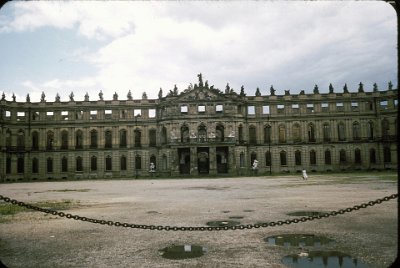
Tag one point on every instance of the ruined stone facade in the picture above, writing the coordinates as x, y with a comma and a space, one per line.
198, 132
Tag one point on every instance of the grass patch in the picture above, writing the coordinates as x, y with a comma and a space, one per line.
10, 209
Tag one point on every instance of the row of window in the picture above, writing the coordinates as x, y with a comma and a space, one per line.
219, 108
138, 160
313, 157
218, 135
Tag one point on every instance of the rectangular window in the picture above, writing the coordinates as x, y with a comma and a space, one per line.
50, 115
339, 106
64, 115
93, 115
325, 106
152, 113
310, 107
251, 110
137, 112
108, 114
184, 109
383, 104
201, 108
266, 109
281, 108
395, 102
8, 114
219, 108
354, 106
20, 116
295, 106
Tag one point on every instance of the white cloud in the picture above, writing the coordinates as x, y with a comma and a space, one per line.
151, 44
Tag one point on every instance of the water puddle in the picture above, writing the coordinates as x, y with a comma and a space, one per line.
179, 252
248, 210
222, 223
236, 217
298, 240
326, 259
306, 213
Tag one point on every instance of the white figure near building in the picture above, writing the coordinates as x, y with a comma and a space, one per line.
305, 176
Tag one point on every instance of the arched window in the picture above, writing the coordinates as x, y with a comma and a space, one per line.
64, 140
184, 134
219, 135
93, 139
296, 133
153, 160
163, 135
123, 162
108, 139
138, 138
341, 131
108, 163
64, 164
370, 130
267, 134
138, 162
342, 156
372, 156
93, 163
328, 159
35, 165
152, 137
252, 135
241, 159
79, 164
122, 138
268, 159
357, 156
241, 138
385, 129
282, 155
20, 164
253, 156
49, 165
79, 139
21, 139
8, 138
356, 131
327, 132
50, 140
311, 133
282, 134
313, 157
35, 141
297, 158
387, 157
164, 162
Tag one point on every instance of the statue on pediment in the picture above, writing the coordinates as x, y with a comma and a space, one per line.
258, 93
375, 89
43, 97
144, 96
13, 97
200, 80
390, 85
330, 88
316, 90
272, 90
287, 92
360, 88
57, 97
303, 93
160, 94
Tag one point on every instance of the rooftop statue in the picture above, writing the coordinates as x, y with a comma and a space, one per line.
43, 97
57, 97
115, 96
101, 95
345, 90
86, 97
129, 96
28, 99
3, 96
360, 88
330, 88
13, 97
272, 90
316, 90
71, 96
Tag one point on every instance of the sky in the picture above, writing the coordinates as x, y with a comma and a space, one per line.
72, 46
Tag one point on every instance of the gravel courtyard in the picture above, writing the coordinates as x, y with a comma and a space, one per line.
35, 239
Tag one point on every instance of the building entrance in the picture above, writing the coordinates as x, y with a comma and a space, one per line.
222, 159
203, 162
184, 160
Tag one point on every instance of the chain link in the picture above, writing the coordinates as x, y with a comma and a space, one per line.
198, 228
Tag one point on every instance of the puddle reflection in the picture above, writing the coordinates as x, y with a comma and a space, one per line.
179, 252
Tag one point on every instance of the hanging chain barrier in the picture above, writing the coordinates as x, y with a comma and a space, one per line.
199, 228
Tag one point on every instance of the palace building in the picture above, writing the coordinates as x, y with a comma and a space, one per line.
202, 131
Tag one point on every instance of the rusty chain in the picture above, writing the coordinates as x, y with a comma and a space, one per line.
198, 228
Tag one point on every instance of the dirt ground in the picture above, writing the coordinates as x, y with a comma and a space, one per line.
35, 239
